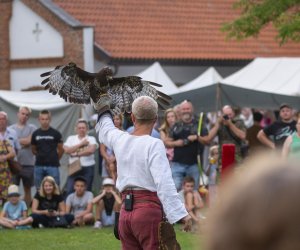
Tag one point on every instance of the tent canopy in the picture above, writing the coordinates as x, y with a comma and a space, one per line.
208, 77
264, 83
156, 73
272, 75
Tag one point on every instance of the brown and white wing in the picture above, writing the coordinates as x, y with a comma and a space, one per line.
124, 90
70, 83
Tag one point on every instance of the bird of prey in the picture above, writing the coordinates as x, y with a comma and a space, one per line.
78, 86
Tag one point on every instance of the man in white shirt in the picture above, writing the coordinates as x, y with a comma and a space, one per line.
144, 176
81, 146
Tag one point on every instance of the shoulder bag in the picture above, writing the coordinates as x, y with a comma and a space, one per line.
74, 167
14, 166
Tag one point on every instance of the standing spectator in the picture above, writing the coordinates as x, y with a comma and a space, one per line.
108, 202
25, 156
177, 110
83, 146
80, 204
169, 121
252, 132
109, 164
14, 213
47, 146
48, 205
144, 175
231, 130
187, 145
291, 146
247, 116
212, 173
8, 133
6, 152
274, 135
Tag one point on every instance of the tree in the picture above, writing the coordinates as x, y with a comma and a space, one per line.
256, 14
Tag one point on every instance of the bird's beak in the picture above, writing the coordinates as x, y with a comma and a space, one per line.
109, 78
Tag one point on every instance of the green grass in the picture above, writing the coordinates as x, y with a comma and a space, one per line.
77, 238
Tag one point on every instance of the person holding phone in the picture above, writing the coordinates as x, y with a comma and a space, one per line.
48, 205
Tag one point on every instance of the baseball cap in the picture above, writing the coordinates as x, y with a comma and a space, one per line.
13, 190
285, 105
108, 181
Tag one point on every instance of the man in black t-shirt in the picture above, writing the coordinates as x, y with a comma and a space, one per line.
187, 145
274, 135
47, 146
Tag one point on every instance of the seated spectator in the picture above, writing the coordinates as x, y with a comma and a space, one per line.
14, 212
191, 198
259, 209
108, 202
80, 204
48, 206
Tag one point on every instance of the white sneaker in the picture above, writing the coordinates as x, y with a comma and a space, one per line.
98, 225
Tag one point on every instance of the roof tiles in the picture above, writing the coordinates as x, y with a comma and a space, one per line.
170, 29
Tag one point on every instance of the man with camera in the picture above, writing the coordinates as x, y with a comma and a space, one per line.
232, 130
187, 145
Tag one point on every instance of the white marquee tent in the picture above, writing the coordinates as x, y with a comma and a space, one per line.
263, 83
272, 75
156, 73
208, 77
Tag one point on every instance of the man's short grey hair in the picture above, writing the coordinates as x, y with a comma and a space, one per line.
144, 108
4, 114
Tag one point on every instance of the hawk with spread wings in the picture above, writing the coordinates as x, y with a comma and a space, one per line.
78, 86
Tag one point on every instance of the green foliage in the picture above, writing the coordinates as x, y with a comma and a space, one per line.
76, 239
256, 14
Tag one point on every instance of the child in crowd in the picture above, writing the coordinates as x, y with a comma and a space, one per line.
191, 199
48, 206
108, 202
14, 212
211, 172
80, 204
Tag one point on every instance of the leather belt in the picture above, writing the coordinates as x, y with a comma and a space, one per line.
134, 188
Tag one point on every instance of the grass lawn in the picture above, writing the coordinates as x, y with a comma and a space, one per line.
76, 238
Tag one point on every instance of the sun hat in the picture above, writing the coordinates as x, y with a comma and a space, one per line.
13, 190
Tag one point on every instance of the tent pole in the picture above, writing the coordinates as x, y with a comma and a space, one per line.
218, 97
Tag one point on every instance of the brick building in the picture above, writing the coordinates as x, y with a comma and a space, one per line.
184, 36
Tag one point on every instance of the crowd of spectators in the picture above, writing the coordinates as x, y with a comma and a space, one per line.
184, 134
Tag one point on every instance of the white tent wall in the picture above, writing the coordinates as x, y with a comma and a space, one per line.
64, 116
156, 73
213, 97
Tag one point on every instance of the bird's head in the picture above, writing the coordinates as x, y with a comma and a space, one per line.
71, 64
107, 72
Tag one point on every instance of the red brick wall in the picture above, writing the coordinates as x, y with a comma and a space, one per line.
5, 10
72, 38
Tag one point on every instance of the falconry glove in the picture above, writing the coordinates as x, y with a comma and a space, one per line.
102, 105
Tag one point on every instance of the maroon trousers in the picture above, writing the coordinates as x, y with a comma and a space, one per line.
138, 229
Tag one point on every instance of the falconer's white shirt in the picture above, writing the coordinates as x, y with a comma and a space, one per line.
142, 162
